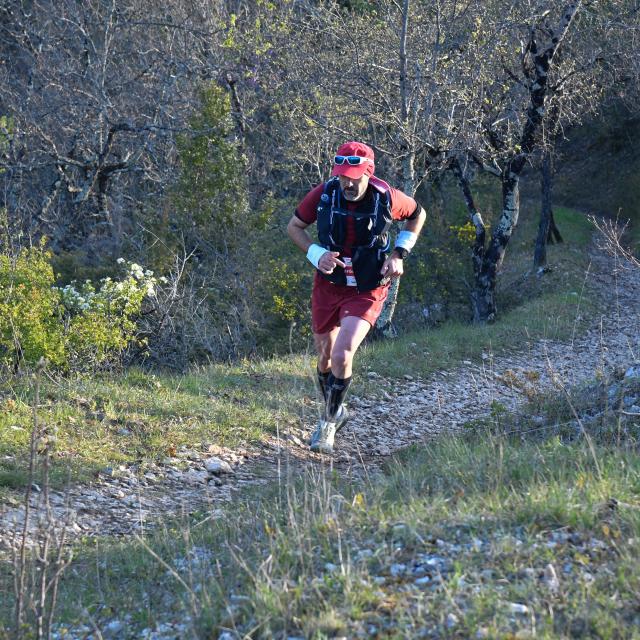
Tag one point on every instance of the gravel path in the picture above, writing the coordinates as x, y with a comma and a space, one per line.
125, 502
417, 409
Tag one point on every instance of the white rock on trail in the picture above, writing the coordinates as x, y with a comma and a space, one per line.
217, 467
633, 372
452, 620
551, 578
517, 607
397, 569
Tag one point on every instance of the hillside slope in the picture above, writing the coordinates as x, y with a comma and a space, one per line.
598, 168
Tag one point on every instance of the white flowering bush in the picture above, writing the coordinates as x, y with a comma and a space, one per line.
78, 326
100, 321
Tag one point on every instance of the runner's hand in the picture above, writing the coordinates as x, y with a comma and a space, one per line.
329, 261
392, 268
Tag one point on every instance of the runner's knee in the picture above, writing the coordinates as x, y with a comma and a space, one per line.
341, 357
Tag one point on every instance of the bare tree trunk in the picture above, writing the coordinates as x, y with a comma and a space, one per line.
475, 217
384, 327
483, 296
555, 236
547, 230
237, 113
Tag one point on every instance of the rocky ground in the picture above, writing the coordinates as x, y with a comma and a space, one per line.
127, 500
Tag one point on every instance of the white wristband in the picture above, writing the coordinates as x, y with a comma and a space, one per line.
406, 240
314, 253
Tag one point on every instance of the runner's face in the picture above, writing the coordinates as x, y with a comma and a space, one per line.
354, 189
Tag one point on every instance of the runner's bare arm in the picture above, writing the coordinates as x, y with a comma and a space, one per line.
415, 224
297, 230
393, 266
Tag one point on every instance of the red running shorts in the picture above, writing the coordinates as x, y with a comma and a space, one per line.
331, 302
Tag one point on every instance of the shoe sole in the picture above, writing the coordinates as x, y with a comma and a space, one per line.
342, 423
319, 449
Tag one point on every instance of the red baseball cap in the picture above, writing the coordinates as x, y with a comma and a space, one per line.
354, 171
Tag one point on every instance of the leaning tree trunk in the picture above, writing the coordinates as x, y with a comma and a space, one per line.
474, 216
554, 236
384, 325
547, 230
483, 295
484, 292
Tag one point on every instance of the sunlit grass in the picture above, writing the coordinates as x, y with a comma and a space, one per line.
142, 416
316, 557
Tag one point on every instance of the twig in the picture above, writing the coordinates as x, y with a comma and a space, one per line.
612, 233
556, 380
171, 570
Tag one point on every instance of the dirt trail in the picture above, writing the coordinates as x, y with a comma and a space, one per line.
412, 410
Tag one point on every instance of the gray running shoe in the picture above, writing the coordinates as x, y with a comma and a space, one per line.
322, 438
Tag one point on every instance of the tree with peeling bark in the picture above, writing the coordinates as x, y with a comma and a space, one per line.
509, 131
539, 69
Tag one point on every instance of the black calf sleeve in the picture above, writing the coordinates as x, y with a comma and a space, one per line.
323, 382
336, 392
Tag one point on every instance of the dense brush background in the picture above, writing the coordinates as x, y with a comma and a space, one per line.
154, 313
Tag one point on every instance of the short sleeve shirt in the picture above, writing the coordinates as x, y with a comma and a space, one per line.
402, 207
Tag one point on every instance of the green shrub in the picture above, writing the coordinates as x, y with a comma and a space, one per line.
101, 323
76, 326
207, 206
31, 313
280, 282
282, 286
439, 268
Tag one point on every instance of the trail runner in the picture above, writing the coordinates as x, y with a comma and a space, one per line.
353, 212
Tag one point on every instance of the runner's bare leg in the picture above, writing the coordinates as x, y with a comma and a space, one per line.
324, 344
353, 331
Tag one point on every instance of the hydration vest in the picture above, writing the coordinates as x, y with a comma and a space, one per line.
372, 224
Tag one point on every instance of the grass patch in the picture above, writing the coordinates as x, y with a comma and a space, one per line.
555, 306
140, 416
472, 536
575, 229
554, 316
611, 188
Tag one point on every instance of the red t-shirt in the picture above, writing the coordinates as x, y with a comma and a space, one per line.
402, 207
